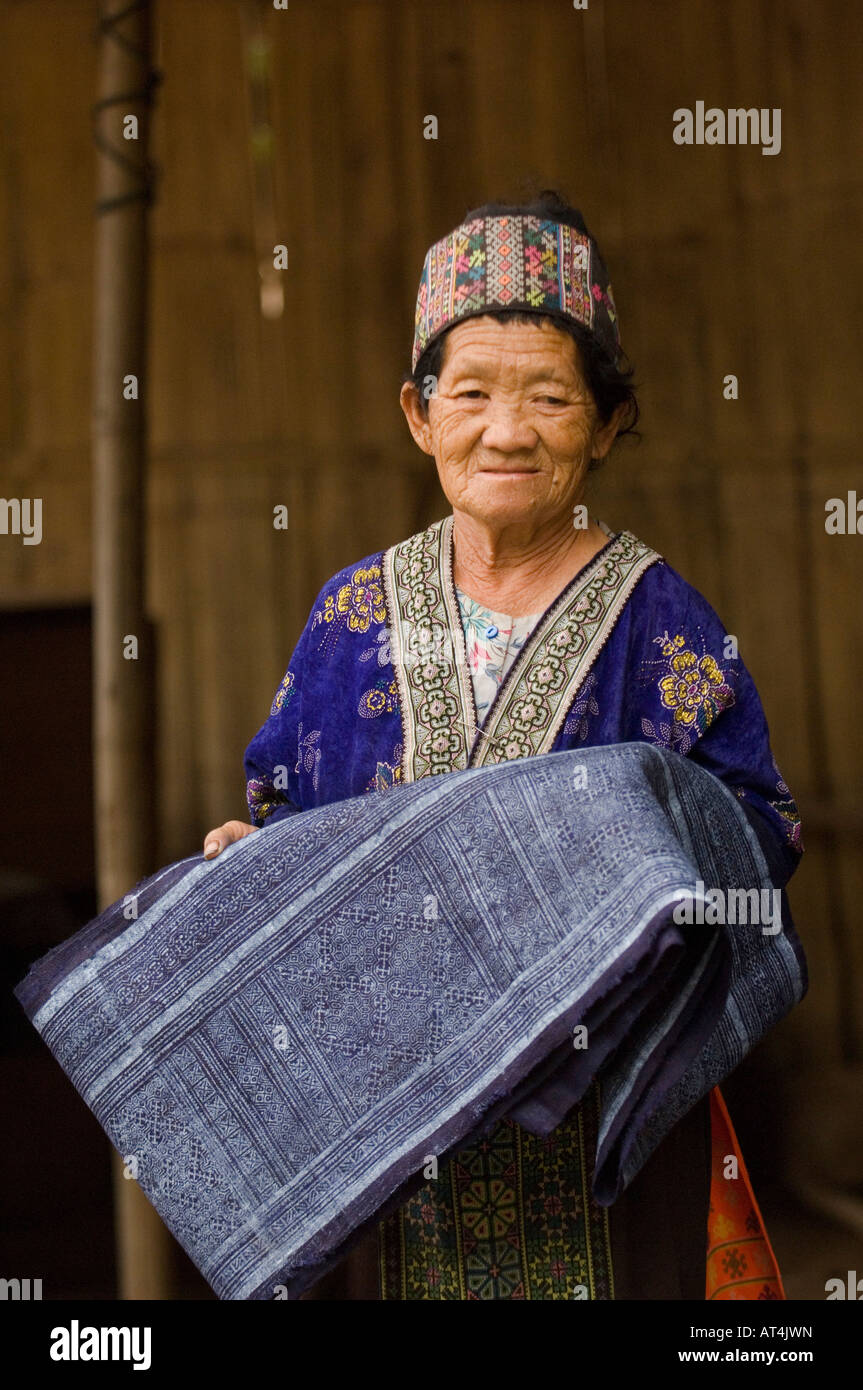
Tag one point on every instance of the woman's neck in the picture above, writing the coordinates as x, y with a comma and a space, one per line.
515, 572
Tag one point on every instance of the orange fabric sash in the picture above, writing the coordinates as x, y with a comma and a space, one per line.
740, 1259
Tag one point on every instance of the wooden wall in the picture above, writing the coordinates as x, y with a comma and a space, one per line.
723, 261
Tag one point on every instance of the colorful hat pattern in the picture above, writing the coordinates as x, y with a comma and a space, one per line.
514, 262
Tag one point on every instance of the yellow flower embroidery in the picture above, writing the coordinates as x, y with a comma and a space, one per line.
361, 601
356, 606
382, 698
263, 799
283, 694
696, 690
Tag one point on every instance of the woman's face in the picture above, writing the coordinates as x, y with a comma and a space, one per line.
513, 426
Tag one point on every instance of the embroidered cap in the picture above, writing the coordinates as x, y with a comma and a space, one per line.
515, 262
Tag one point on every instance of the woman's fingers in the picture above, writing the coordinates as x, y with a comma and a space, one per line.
217, 840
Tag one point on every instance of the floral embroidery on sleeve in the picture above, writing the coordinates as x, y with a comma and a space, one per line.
309, 754
354, 607
381, 650
262, 799
283, 694
383, 698
577, 722
786, 808
693, 689
387, 774
266, 785
791, 816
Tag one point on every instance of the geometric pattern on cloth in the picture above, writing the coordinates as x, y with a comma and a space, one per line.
283, 1033
535, 699
514, 262
741, 1264
427, 648
509, 1217
438, 710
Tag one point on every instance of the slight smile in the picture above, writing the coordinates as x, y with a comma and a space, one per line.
510, 472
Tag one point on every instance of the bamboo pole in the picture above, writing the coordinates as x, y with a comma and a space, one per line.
122, 675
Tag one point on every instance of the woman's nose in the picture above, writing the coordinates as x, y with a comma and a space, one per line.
508, 426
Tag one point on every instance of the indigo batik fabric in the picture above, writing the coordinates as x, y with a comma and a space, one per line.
283, 1035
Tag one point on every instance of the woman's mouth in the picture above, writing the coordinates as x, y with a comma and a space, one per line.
510, 472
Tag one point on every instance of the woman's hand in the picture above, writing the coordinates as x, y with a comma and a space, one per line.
217, 840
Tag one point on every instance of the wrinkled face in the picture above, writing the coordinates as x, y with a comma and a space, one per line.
513, 426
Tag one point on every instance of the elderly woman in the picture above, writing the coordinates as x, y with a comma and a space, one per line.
515, 626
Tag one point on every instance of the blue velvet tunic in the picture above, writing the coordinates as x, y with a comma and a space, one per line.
666, 672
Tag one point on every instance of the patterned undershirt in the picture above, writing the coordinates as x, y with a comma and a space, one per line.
493, 641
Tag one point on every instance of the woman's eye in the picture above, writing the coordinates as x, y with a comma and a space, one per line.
475, 394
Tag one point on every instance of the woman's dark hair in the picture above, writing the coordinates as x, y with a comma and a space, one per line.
610, 385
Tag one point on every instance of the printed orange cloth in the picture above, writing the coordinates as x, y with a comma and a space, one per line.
740, 1259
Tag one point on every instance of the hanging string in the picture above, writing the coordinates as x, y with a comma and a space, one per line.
262, 144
